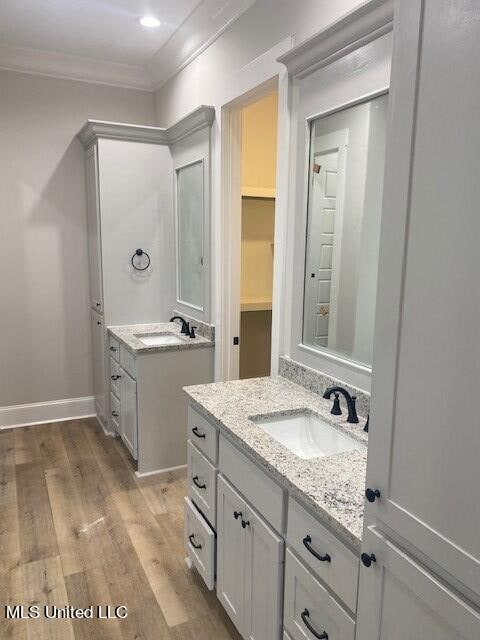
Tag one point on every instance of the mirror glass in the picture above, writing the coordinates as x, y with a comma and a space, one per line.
347, 153
190, 234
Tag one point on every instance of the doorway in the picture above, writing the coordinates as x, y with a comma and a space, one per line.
259, 155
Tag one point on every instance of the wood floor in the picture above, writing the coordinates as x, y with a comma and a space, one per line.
78, 528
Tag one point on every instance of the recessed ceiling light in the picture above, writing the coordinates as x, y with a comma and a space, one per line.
149, 21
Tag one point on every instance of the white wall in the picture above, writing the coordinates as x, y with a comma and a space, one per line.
45, 351
257, 30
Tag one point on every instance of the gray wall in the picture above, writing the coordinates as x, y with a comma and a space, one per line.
45, 350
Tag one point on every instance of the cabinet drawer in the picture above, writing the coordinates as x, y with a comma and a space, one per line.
115, 376
115, 412
114, 348
260, 490
127, 361
200, 543
309, 609
310, 539
203, 434
202, 483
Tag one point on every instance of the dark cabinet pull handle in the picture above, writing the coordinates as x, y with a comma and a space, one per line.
197, 483
113, 348
307, 541
191, 537
115, 377
197, 433
237, 514
99, 322
305, 615
368, 559
114, 414
245, 523
372, 494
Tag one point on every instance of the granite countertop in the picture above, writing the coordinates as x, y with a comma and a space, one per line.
128, 336
333, 487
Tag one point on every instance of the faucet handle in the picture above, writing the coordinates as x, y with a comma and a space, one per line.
192, 332
336, 410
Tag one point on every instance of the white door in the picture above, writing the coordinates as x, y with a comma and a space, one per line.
98, 359
401, 600
93, 229
324, 238
231, 511
128, 412
264, 579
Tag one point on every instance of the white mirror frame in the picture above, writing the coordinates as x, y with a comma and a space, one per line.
318, 89
190, 150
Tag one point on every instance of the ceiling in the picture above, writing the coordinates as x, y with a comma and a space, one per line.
64, 37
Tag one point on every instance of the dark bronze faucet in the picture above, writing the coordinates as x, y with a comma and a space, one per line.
185, 325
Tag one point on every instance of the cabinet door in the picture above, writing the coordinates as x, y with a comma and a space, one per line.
264, 555
128, 412
93, 230
399, 599
98, 359
424, 435
231, 510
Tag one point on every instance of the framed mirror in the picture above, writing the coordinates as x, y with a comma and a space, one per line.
190, 220
345, 183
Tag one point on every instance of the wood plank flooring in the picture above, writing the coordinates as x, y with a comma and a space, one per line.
78, 528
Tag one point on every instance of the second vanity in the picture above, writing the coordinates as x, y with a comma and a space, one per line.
278, 532
148, 365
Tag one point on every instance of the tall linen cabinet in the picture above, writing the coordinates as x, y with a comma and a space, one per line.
129, 190
421, 577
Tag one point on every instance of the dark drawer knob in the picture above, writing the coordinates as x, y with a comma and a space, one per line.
307, 542
115, 414
245, 523
197, 483
237, 514
115, 377
113, 348
367, 559
197, 433
372, 494
191, 537
305, 615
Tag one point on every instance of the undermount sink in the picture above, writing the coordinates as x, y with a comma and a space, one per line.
160, 339
307, 435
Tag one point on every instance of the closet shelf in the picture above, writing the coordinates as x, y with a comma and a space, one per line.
255, 304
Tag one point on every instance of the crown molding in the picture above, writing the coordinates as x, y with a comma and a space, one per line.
60, 65
92, 130
353, 30
198, 119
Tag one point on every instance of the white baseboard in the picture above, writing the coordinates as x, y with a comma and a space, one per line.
23, 415
153, 473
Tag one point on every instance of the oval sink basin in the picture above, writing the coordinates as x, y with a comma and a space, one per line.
307, 435
160, 339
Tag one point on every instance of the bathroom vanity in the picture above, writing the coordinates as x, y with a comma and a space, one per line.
278, 523
148, 364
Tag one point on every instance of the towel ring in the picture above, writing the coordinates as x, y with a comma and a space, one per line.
140, 252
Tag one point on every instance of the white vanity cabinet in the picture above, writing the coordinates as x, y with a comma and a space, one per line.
123, 398
260, 589
128, 413
249, 566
